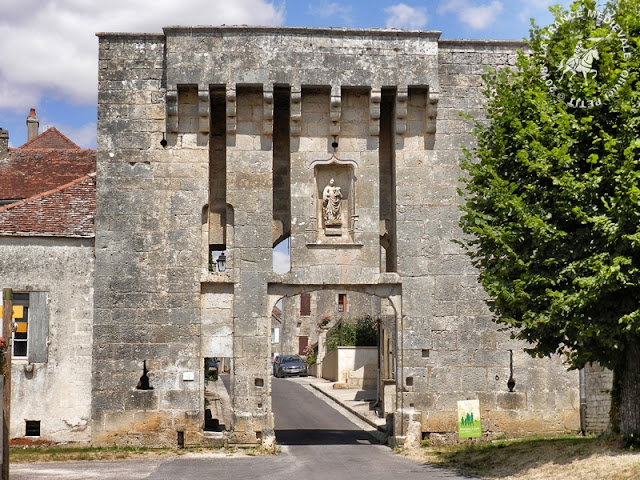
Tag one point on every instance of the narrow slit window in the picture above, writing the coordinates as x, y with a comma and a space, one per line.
342, 302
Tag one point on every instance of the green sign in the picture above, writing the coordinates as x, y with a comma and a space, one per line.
469, 425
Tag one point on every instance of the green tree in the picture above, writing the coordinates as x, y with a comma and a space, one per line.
552, 195
363, 332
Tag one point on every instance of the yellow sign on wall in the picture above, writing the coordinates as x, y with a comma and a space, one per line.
18, 311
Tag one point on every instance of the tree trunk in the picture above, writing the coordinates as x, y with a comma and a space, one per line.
625, 394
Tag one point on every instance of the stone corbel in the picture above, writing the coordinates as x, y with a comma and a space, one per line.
402, 99
374, 111
172, 111
231, 109
267, 119
432, 111
296, 111
203, 111
335, 110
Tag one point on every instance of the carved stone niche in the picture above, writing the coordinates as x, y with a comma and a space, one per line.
334, 201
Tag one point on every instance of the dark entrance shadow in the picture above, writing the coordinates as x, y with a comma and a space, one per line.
324, 437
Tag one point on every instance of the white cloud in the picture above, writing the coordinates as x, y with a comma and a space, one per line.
404, 16
326, 10
49, 47
477, 17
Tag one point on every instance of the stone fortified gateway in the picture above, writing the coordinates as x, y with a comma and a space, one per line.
347, 143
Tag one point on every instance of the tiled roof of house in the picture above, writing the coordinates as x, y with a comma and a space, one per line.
65, 211
50, 138
42, 164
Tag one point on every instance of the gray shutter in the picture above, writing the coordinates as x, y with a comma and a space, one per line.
38, 334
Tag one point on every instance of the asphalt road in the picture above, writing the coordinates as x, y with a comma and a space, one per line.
316, 441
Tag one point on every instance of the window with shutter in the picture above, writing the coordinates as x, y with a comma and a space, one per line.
305, 304
31, 332
20, 318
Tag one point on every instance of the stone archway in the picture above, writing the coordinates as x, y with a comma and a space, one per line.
390, 354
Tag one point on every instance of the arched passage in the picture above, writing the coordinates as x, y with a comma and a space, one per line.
381, 301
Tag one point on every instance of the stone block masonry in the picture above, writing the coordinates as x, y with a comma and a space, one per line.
224, 139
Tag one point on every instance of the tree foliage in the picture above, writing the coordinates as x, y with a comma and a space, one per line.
552, 188
362, 332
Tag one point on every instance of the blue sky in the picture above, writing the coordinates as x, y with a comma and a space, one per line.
49, 48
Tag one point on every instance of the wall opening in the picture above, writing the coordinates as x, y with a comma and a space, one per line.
32, 428
387, 175
281, 164
218, 168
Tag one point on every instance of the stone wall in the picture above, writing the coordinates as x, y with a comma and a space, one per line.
149, 256
453, 350
597, 390
56, 392
186, 164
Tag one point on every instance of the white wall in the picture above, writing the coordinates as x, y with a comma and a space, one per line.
58, 392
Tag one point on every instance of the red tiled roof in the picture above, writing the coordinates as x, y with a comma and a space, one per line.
50, 138
29, 171
65, 211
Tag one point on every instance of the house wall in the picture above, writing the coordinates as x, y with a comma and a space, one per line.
324, 303
58, 392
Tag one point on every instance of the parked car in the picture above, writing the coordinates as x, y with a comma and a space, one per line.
210, 369
289, 366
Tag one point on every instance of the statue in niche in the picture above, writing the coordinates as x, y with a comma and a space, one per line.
332, 204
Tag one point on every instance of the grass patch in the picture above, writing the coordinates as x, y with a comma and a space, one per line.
538, 458
33, 454
69, 454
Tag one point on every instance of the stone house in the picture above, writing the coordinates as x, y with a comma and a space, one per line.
47, 206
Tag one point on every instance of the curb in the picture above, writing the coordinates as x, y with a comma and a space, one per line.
379, 433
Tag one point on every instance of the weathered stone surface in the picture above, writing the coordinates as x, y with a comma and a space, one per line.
390, 101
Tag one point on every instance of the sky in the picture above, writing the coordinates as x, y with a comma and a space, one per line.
49, 58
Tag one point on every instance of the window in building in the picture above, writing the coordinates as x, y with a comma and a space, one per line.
303, 343
305, 304
275, 335
21, 321
31, 317
342, 302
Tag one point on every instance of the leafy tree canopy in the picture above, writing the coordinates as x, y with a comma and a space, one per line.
552, 188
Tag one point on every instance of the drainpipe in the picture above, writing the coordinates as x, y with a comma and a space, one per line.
583, 402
